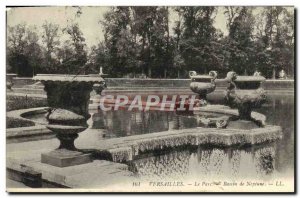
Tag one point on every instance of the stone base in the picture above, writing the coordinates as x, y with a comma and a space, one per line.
64, 158
242, 124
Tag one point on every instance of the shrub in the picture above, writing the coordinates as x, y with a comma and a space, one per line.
24, 102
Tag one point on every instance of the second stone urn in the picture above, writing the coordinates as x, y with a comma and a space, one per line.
95, 99
245, 93
203, 84
68, 99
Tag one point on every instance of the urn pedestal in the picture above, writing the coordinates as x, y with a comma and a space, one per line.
68, 98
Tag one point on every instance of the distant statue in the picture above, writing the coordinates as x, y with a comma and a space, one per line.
101, 71
257, 73
282, 74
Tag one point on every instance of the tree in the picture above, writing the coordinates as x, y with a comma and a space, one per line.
178, 60
279, 40
34, 50
199, 41
75, 55
120, 41
16, 44
241, 52
24, 54
50, 39
98, 57
152, 27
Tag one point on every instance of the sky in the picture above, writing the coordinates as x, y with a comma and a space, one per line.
88, 21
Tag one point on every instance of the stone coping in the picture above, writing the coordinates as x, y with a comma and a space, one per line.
124, 149
27, 131
135, 83
68, 78
202, 77
11, 74
257, 117
38, 130
18, 113
249, 78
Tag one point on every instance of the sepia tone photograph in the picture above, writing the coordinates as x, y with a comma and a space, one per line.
150, 99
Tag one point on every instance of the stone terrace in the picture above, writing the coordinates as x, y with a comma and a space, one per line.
26, 156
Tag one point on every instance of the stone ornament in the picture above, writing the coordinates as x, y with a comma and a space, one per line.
68, 98
245, 93
203, 84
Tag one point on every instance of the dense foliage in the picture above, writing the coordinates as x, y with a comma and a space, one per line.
24, 102
141, 42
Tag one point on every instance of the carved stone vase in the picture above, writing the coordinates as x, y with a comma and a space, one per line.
68, 99
245, 93
98, 88
203, 84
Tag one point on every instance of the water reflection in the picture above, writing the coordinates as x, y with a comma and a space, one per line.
280, 111
125, 123
207, 163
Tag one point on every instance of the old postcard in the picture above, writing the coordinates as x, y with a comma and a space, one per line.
150, 99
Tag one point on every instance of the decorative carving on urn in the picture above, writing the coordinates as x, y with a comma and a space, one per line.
245, 93
203, 84
68, 98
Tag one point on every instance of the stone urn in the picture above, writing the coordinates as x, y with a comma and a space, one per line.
9, 81
68, 98
203, 84
282, 75
245, 93
98, 88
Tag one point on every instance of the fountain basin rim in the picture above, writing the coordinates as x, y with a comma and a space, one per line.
21, 114
11, 74
250, 79
131, 146
202, 77
222, 109
68, 78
